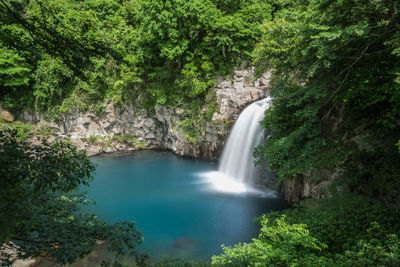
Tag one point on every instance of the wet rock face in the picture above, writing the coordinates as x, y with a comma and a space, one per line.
129, 128
306, 186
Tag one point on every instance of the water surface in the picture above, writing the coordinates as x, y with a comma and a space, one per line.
170, 202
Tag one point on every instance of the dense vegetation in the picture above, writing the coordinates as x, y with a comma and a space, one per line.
337, 92
54, 53
40, 208
345, 230
336, 89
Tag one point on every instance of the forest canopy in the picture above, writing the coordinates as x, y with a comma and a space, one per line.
56, 53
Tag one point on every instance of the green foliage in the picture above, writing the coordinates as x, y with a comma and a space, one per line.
15, 77
280, 244
189, 132
343, 220
53, 83
197, 115
109, 141
194, 123
336, 90
57, 27
185, 43
149, 51
93, 139
43, 131
14, 71
40, 208
99, 109
294, 128
28, 170
344, 230
374, 252
126, 138
172, 262
130, 140
26, 130
22, 130
211, 106
66, 234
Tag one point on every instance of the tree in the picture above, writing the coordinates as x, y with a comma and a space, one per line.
344, 230
186, 43
52, 33
343, 220
40, 205
13, 73
281, 244
149, 51
337, 91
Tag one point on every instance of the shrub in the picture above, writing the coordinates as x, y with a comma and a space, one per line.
343, 220
278, 244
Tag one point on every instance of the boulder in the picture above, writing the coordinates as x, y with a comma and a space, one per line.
6, 115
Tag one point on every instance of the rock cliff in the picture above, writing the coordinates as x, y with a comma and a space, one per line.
128, 128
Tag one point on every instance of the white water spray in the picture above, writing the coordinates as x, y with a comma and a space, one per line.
237, 158
237, 172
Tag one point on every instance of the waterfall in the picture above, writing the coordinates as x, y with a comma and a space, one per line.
237, 157
237, 172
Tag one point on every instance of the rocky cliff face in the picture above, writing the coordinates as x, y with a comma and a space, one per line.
309, 185
129, 128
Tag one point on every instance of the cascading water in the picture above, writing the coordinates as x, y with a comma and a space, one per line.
237, 171
237, 158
